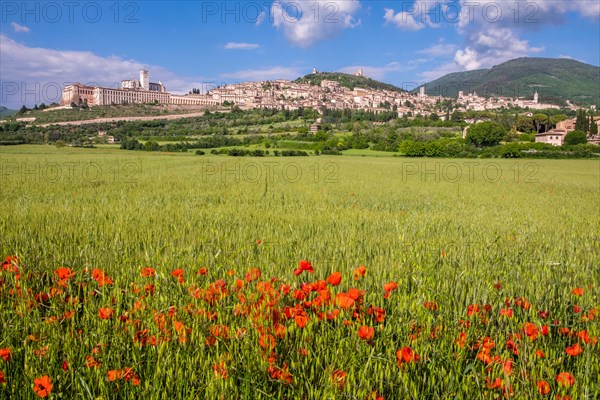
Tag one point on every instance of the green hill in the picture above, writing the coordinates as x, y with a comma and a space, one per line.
347, 80
555, 79
5, 112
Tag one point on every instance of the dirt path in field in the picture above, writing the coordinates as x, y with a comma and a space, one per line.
115, 119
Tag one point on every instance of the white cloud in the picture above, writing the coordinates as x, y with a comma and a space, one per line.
439, 49
306, 22
19, 28
492, 46
39, 71
241, 46
402, 20
264, 74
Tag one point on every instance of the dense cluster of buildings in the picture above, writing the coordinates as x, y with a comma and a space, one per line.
289, 95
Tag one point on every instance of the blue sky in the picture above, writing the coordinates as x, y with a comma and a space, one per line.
44, 45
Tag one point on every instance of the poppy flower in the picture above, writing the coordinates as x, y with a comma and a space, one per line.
253, 275
148, 272
577, 291
359, 272
574, 350
64, 273
42, 386
2, 379
65, 366
388, 287
366, 332
267, 341
303, 265
105, 313
430, 305
495, 384
100, 276
202, 271
301, 320
178, 273
406, 355
543, 387
220, 370
531, 330
344, 300
334, 279
114, 375
5, 354
506, 312
540, 354
565, 379
338, 378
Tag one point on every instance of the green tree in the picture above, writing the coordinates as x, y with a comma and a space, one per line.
581, 122
593, 128
485, 133
575, 137
540, 121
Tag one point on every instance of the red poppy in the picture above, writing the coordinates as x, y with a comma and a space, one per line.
338, 378
565, 379
334, 279
178, 273
2, 380
220, 370
540, 354
42, 386
148, 272
202, 271
344, 300
113, 375
253, 275
388, 287
543, 387
577, 291
359, 272
406, 355
366, 332
531, 330
5, 354
301, 318
105, 313
495, 384
303, 265
64, 273
65, 366
430, 305
574, 350
100, 276
267, 341
506, 312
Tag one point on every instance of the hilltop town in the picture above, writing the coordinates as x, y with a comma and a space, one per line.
293, 95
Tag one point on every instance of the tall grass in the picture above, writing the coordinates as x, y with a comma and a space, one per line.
502, 232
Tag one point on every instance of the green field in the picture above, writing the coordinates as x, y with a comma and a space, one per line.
516, 235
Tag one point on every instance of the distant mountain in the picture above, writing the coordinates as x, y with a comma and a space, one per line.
555, 79
347, 80
5, 112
